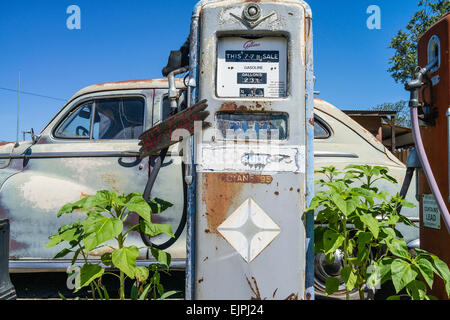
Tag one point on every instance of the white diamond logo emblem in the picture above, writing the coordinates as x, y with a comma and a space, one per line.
249, 230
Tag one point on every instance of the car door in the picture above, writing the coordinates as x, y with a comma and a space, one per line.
91, 145
169, 186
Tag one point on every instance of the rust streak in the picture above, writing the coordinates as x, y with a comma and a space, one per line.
218, 198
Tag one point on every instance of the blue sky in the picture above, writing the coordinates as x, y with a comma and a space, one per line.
123, 40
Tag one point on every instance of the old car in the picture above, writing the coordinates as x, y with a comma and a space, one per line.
92, 144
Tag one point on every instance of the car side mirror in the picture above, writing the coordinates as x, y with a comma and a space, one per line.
34, 137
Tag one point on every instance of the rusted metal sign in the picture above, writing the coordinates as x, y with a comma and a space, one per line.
161, 136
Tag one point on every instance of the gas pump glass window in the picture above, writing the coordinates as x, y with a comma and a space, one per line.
119, 119
252, 68
270, 126
78, 124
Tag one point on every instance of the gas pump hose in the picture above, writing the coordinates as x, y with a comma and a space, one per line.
414, 86
147, 192
406, 184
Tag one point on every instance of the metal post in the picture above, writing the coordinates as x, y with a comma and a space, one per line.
18, 112
7, 291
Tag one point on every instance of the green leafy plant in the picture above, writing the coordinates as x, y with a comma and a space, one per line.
404, 61
103, 228
359, 219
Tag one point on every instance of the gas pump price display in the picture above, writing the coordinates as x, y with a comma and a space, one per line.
252, 68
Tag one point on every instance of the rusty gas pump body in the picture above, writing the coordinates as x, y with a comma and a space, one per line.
434, 236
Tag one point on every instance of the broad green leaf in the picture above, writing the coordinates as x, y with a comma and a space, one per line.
125, 260
402, 274
71, 235
68, 235
347, 207
388, 233
103, 199
153, 230
142, 273
332, 241
417, 290
349, 278
62, 253
161, 256
394, 298
317, 201
130, 196
158, 205
384, 267
442, 270
399, 248
138, 205
105, 293
134, 292
88, 273
318, 239
392, 220
424, 253
54, 241
371, 223
67, 227
71, 207
100, 229
160, 289
75, 256
332, 285
107, 259
144, 293
168, 294
365, 237
426, 270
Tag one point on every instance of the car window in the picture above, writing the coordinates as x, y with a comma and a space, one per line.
321, 131
78, 124
119, 119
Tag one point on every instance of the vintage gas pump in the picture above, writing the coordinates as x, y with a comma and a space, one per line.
249, 236
433, 84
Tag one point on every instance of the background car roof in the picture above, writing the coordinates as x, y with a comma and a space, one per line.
128, 85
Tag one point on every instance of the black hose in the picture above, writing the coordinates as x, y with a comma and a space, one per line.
406, 184
182, 224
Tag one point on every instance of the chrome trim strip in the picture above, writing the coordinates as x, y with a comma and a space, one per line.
48, 266
333, 154
67, 155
